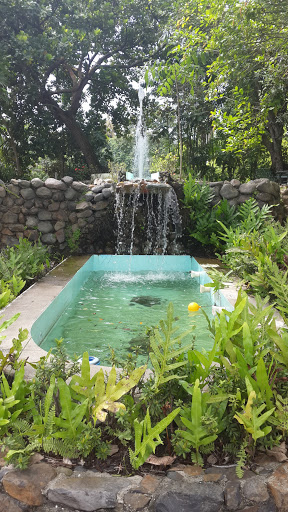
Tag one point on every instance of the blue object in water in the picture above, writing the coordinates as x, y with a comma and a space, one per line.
92, 360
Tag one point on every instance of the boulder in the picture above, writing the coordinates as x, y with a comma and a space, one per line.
265, 197
55, 184
2, 192
9, 218
235, 183
247, 188
44, 215
268, 187
36, 183
67, 180
107, 192
88, 491
43, 192
24, 183
45, 227
70, 194
26, 485
48, 238
79, 186
31, 222
84, 205
228, 191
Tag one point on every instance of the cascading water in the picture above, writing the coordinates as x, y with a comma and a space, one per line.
147, 212
141, 163
148, 218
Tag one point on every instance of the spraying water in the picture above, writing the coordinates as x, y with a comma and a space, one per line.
141, 163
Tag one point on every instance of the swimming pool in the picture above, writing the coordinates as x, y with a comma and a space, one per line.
112, 300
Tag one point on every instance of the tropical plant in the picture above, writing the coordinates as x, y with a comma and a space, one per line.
197, 433
10, 359
147, 438
164, 354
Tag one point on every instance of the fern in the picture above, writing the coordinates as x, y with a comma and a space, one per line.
163, 352
252, 216
281, 414
241, 459
147, 438
62, 447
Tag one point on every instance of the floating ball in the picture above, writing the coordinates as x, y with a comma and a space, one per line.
193, 306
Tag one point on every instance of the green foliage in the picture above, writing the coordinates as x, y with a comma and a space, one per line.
163, 356
218, 279
205, 219
241, 459
124, 30
18, 264
73, 240
11, 358
54, 363
103, 397
252, 418
147, 438
252, 216
228, 397
197, 433
197, 197
14, 400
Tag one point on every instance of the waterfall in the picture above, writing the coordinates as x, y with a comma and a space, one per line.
141, 163
148, 218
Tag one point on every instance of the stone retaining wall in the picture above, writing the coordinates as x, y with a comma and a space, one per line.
44, 487
264, 191
55, 211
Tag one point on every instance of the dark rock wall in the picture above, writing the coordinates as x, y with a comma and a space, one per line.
68, 214
56, 211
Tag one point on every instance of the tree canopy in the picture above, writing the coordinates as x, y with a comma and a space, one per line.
238, 51
221, 66
57, 55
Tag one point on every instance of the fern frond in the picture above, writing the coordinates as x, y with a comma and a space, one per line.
20, 426
208, 448
62, 447
242, 457
50, 421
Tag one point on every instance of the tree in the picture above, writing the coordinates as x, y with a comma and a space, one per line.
244, 49
60, 54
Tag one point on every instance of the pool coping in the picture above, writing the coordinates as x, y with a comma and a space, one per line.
34, 301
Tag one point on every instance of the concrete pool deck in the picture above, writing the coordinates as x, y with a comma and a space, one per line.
33, 302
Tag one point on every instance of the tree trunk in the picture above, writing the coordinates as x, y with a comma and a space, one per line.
273, 142
81, 140
13, 146
179, 130
77, 133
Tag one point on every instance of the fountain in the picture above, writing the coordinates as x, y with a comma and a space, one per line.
147, 211
141, 161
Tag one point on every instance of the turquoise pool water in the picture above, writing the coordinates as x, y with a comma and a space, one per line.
114, 309
112, 300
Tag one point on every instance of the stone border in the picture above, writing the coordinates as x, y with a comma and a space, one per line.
184, 488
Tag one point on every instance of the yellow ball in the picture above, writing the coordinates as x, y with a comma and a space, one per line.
193, 306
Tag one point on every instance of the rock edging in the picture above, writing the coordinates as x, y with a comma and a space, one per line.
183, 488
